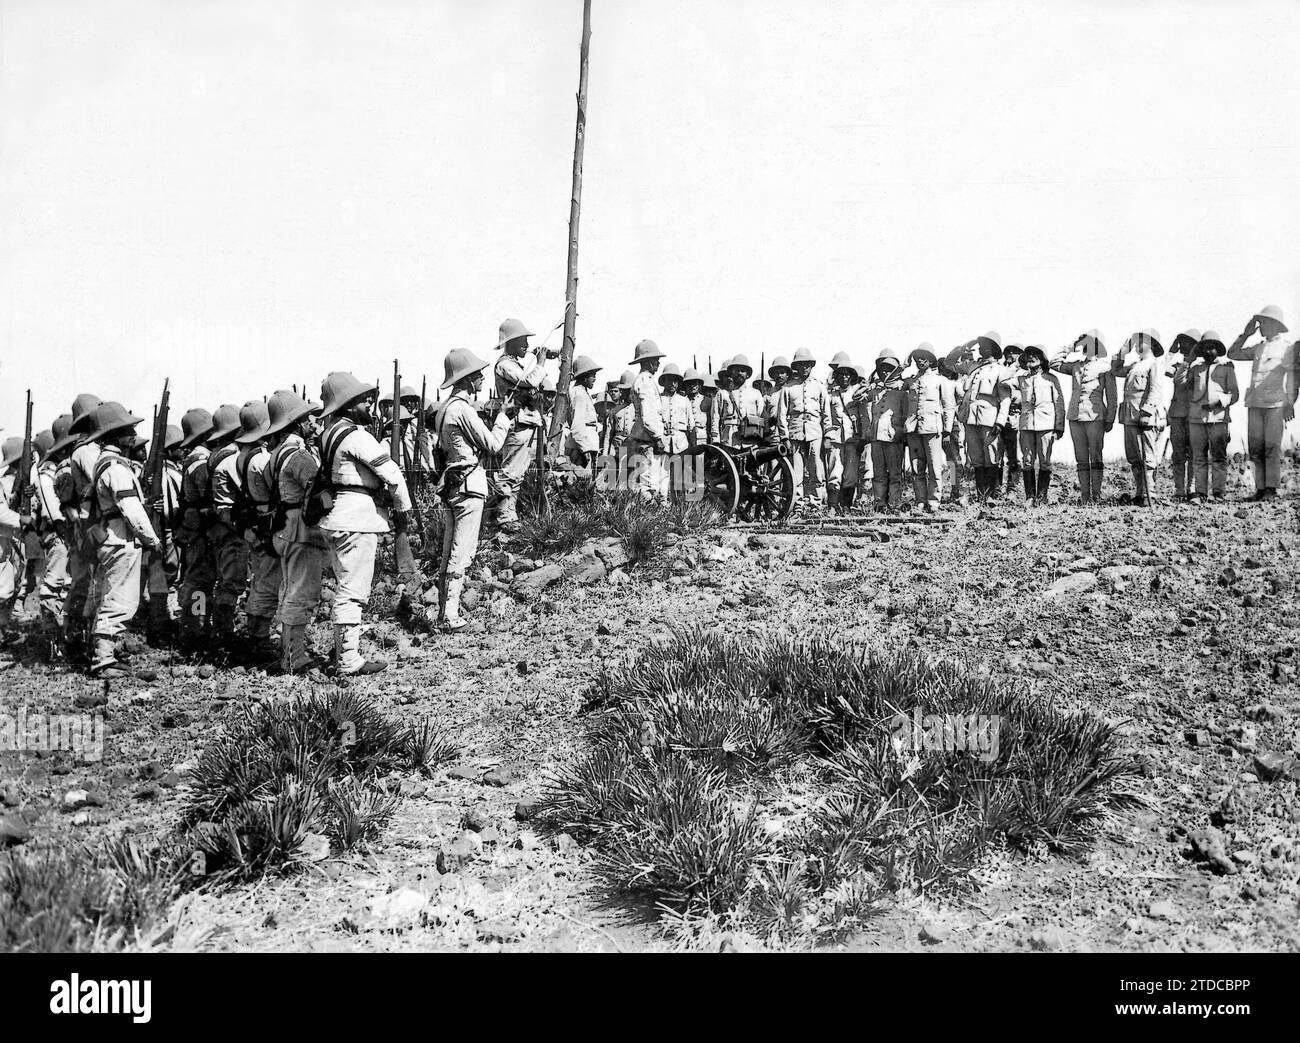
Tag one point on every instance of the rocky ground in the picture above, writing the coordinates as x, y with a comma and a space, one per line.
1178, 621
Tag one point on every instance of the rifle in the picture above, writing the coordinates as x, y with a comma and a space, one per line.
155, 464
404, 559
20, 497
419, 450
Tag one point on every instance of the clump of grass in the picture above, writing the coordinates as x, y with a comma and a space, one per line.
287, 772
81, 899
691, 745
642, 524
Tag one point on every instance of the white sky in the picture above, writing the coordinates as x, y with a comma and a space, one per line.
244, 195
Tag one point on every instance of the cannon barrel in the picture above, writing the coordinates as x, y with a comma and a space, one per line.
761, 454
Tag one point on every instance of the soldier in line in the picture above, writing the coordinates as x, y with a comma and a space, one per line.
198, 563
952, 438
225, 530
1091, 410
748, 416
254, 523
583, 443
293, 465
74, 501
648, 439
1042, 422
984, 408
802, 419
119, 528
12, 558
886, 431
679, 425
839, 433
929, 412
1011, 433
464, 441
1212, 390
778, 373
162, 571
366, 483
52, 526
1143, 411
1181, 352
692, 389
1271, 394
618, 422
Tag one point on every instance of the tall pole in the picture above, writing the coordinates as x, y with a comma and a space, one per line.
561, 413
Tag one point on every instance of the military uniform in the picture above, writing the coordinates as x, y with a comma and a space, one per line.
1142, 412
1091, 413
983, 410
584, 424
1271, 392
198, 564
520, 447
928, 413
1212, 390
1042, 421
51, 528
648, 439
887, 432
803, 417
302, 549
229, 550
361, 472
265, 577
12, 559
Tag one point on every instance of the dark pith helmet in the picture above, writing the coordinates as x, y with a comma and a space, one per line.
253, 422
195, 425
111, 417
285, 408
83, 412
225, 422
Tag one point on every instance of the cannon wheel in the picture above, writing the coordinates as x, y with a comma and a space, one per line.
721, 479
767, 491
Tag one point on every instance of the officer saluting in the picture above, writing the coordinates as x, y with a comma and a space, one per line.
364, 480
463, 440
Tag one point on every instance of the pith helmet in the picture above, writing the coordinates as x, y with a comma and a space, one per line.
891, 357
1212, 339
110, 417
991, 339
778, 363
225, 422
548, 385
1010, 350
1034, 351
710, 382
670, 370
254, 419
583, 364
286, 408
691, 374
740, 362
403, 395
841, 359
461, 363
1186, 341
10, 451
403, 415
1272, 312
859, 371
174, 437
83, 412
647, 349
1090, 343
803, 355
339, 390
1152, 337
62, 430
512, 329
195, 425
626, 381
42, 442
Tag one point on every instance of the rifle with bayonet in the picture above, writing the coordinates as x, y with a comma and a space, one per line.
20, 498
155, 468
403, 558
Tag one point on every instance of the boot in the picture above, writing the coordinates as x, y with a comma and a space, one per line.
347, 649
1014, 475
449, 616
295, 656
1030, 478
75, 640
1150, 483
105, 663
260, 648
1098, 473
223, 625
1085, 484
1044, 483
1140, 487
160, 622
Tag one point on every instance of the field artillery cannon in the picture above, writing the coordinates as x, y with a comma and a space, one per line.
754, 483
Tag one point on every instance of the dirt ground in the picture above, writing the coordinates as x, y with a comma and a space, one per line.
1178, 621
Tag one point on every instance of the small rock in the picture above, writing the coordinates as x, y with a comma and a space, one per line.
564, 844
1047, 939
933, 932
391, 911
1272, 765
476, 818
13, 831
1208, 846
1197, 737
1165, 910
611, 626
1074, 584
527, 840
527, 808
205, 671
460, 852
464, 771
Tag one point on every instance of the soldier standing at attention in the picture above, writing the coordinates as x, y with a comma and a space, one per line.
886, 410
692, 386
1042, 422
198, 565
120, 528
1091, 412
679, 423
52, 526
619, 423
802, 418
301, 547
584, 425
365, 480
1142, 411
464, 440
983, 408
750, 408
229, 551
648, 439
515, 363
1011, 433
929, 412
1182, 352
840, 431
81, 556
264, 564
1270, 395
1212, 391
779, 374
